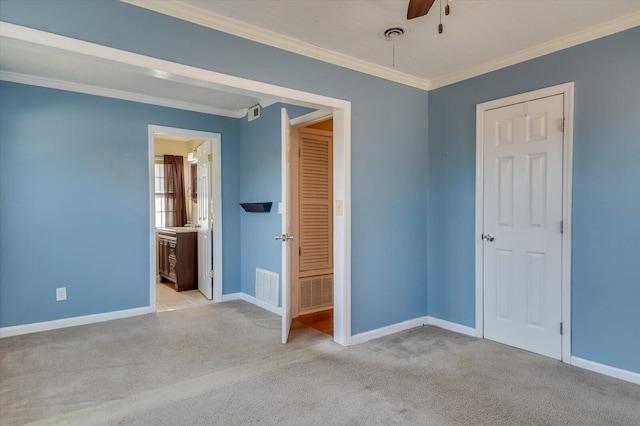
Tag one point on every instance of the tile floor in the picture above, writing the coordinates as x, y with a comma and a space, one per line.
168, 299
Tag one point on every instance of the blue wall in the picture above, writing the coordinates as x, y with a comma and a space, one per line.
606, 191
74, 185
389, 133
390, 172
260, 180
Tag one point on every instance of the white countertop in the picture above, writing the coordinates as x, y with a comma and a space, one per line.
177, 229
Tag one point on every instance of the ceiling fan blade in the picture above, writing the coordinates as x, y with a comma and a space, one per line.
418, 8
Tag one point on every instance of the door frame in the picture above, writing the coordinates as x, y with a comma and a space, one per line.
566, 89
216, 176
297, 123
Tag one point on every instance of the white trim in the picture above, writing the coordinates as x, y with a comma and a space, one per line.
451, 326
196, 15
387, 330
36, 327
409, 324
216, 140
583, 36
342, 226
231, 296
171, 70
342, 138
250, 299
607, 370
117, 94
311, 118
566, 89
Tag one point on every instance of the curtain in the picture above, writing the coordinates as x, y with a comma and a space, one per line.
175, 203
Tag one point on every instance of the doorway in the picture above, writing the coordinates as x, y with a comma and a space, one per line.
312, 200
308, 250
523, 198
188, 255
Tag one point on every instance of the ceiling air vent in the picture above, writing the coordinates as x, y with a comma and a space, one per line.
392, 33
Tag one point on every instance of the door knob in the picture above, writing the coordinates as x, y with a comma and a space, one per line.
284, 237
487, 237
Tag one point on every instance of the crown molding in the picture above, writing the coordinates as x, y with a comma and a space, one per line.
598, 31
193, 14
188, 12
117, 94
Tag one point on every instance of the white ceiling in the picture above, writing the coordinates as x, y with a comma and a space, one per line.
476, 32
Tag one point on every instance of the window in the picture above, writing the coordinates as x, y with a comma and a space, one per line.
161, 195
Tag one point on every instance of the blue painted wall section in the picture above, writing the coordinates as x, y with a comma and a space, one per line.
74, 185
389, 134
606, 194
260, 180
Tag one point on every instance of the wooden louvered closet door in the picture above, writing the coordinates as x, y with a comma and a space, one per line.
315, 202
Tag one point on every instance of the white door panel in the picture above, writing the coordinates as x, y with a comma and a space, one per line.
287, 227
522, 146
205, 210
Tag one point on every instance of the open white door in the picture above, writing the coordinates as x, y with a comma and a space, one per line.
286, 226
205, 219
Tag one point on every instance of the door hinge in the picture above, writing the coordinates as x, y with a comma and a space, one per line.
562, 125
562, 226
561, 329
210, 215
299, 152
210, 157
211, 273
299, 251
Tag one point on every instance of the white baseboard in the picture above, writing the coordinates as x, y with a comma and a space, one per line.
17, 330
607, 370
412, 323
389, 329
451, 326
231, 296
261, 304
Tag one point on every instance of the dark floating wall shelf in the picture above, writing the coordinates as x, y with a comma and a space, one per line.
257, 207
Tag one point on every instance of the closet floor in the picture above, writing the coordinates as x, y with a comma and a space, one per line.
321, 321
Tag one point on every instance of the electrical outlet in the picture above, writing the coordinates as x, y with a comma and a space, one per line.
61, 294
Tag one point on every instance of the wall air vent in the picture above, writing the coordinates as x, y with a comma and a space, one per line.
253, 112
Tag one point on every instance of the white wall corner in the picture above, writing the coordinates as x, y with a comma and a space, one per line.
231, 296
389, 329
259, 303
451, 326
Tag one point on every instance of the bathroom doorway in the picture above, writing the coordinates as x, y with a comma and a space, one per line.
185, 218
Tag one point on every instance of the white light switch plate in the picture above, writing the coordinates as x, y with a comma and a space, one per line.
339, 208
279, 208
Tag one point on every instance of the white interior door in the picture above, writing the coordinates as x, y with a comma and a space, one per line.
522, 255
286, 225
205, 219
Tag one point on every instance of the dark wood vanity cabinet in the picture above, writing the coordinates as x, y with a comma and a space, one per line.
177, 258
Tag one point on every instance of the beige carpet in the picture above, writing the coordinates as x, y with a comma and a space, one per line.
222, 364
